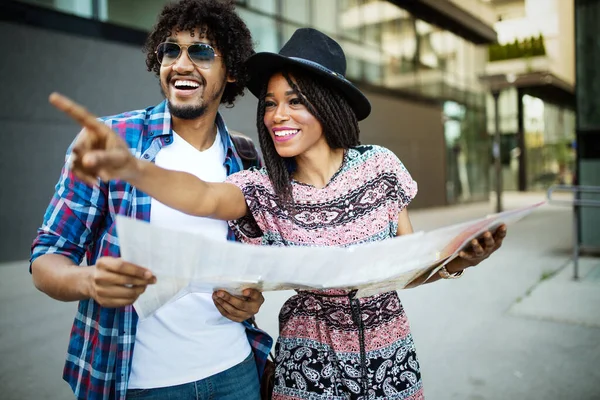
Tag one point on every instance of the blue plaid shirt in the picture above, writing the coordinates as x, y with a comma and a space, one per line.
80, 221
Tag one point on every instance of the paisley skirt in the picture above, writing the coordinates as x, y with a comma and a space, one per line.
332, 346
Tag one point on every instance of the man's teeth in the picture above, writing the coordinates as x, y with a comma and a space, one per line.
186, 84
286, 132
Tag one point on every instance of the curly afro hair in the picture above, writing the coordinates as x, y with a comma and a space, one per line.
224, 28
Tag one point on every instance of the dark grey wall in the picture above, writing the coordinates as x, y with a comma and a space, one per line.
110, 78
414, 131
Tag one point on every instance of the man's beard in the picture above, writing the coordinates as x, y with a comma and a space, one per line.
186, 112
192, 111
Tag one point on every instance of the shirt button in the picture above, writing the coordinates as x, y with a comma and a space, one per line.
168, 140
146, 156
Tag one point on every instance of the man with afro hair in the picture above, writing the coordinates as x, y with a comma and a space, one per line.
198, 346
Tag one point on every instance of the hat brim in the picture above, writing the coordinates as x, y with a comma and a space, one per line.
261, 66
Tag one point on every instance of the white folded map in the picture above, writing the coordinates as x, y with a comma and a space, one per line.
185, 262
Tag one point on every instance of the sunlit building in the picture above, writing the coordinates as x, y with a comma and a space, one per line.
535, 61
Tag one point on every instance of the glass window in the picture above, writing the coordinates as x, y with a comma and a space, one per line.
507, 110
296, 11
373, 72
398, 43
264, 30
325, 16
41, 3
425, 52
354, 53
353, 69
267, 6
373, 18
363, 62
467, 153
350, 20
549, 135
81, 8
139, 14
384, 44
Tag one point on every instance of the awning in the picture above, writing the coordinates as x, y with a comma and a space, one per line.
451, 17
540, 84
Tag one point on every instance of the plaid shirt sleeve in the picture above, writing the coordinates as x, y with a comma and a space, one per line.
72, 217
261, 344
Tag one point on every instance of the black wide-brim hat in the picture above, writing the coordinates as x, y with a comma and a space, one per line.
315, 52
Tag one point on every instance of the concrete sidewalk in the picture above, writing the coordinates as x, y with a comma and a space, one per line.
559, 297
516, 327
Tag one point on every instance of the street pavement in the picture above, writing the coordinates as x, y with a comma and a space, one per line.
515, 327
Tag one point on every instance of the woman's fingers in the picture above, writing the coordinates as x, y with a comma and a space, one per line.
77, 112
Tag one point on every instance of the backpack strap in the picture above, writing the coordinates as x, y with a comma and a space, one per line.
245, 149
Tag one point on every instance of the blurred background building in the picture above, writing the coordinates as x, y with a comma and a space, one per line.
535, 59
424, 64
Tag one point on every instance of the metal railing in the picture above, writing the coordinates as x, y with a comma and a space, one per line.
576, 203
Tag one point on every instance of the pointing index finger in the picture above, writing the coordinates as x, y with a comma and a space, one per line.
76, 112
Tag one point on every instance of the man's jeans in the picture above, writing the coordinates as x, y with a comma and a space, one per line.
237, 383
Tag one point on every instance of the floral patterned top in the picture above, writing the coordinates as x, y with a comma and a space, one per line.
360, 203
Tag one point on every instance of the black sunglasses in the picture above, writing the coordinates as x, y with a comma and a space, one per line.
201, 54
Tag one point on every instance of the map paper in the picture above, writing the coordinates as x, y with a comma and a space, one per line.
185, 262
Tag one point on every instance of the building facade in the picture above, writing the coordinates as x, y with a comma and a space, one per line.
587, 15
417, 61
535, 63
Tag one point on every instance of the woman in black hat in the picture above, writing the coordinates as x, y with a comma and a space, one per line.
324, 188
319, 187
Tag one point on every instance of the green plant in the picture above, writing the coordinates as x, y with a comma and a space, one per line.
561, 151
529, 47
547, 275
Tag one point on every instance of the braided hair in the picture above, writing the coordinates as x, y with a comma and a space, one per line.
327, 105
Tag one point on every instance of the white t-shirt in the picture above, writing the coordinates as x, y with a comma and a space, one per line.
188, 339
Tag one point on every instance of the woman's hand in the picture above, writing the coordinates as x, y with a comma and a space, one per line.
97, 151
479, 249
